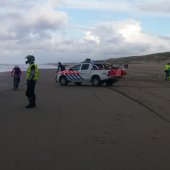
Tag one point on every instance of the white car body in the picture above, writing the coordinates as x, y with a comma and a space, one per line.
85, 73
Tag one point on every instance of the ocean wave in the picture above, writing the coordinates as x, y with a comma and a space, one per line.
9, 67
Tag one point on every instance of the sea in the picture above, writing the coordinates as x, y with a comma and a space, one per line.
9, 67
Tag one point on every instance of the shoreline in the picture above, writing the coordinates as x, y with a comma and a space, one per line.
7, 81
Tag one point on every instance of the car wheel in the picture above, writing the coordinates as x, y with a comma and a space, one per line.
63, 81
109, 82
96, 81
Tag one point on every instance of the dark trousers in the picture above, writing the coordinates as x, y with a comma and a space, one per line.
167, 74
30, 92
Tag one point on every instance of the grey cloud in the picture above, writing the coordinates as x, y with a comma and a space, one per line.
123, 49
19, 19
107, 34
42, 34
113, 44
154, 7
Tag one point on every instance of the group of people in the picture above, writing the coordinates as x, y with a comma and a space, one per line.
31, 77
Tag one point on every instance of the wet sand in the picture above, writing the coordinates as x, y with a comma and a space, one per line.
123, 127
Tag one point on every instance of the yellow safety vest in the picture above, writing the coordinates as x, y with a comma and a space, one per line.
28, 73
166, 67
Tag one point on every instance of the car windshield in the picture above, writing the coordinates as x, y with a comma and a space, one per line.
76, 67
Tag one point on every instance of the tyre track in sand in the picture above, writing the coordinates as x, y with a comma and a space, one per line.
140, 103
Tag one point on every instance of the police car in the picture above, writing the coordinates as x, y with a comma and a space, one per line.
86, 72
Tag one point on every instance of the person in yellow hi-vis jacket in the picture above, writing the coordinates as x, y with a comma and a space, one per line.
167, 71
32, 77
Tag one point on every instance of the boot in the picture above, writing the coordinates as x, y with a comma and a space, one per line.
30, 105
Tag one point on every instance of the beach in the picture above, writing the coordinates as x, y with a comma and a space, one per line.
123, 127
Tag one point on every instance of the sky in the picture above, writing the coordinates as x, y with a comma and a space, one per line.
72, 30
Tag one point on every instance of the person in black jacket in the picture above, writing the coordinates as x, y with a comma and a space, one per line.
60, 67
16, 73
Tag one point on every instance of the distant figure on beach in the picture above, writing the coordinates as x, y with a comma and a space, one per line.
32, 77
167, 71
16, 73
126, 66
60, 67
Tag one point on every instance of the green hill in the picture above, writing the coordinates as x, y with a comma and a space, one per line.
157, 57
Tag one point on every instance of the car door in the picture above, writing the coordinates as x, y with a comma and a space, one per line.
85, 71
74, 74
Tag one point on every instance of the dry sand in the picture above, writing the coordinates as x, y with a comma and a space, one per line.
124, 127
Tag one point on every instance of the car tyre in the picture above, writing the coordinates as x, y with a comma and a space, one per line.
96, 81
109, 82
63, 81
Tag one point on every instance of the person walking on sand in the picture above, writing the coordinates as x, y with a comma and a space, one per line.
32, 77
167, 71
16, 73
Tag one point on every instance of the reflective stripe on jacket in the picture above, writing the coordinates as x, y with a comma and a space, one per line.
28, 73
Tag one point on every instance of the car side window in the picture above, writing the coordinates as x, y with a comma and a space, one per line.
76, 67
95, 67
85, 67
